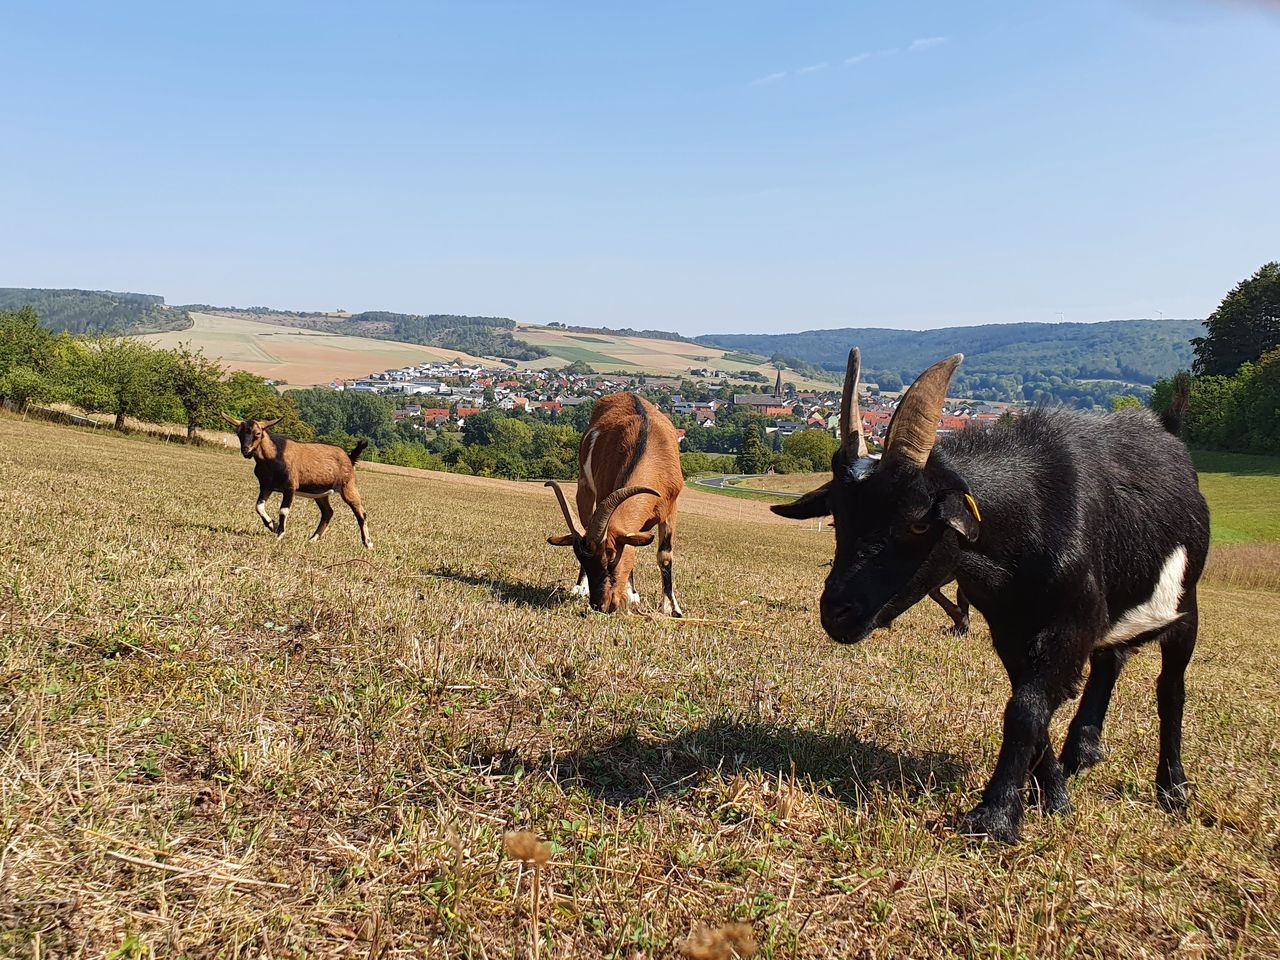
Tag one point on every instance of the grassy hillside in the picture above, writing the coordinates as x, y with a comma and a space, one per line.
219, 744
1001, 360
611, 352
96, 311
298, 357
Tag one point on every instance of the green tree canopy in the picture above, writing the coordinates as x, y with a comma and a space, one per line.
753, 455
812, 448
127, 377
1244, 327
196, 381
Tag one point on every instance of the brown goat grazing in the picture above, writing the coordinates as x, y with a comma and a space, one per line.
629, 479
311, 470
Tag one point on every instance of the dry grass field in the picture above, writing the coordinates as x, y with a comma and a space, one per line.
298, 357
609, 352
217, 745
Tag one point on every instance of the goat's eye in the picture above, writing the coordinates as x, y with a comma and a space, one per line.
919, 528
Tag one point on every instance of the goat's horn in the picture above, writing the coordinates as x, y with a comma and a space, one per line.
268, 424
914, 426
605, 508
564, 507
230, 419
851, 437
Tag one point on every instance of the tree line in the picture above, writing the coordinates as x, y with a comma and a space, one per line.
97, 311
1235, 379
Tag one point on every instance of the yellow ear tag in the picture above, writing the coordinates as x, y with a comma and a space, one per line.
972, 504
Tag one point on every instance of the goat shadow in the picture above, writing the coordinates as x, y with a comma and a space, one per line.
508, 591
628, 769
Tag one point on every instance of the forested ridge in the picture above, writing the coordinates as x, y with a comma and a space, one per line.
1068, 362
96, 311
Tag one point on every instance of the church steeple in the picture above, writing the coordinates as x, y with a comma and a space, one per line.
777, 387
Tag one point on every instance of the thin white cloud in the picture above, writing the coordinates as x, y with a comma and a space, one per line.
916, 46
926, 43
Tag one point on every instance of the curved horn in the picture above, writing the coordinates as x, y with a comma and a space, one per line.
605, 508
851, 438
230, 419
914, 426
564, 507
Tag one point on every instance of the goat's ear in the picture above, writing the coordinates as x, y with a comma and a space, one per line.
231, 420
812, 504
637, 539
960, 511
564, 540
268, 424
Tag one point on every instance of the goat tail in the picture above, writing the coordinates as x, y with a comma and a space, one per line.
1172, 417
358, 449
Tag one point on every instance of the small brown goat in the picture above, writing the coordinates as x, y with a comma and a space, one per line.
311, 470
629, 479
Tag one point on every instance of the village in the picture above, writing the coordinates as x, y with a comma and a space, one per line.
439, 394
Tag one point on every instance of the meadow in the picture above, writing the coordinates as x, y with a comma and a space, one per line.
296, 356
216, 744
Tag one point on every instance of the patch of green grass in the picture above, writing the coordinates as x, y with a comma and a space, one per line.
1243, 491
735, 356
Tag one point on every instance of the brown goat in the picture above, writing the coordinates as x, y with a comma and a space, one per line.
629, 479
311, 470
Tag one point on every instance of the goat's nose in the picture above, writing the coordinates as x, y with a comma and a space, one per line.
843, 622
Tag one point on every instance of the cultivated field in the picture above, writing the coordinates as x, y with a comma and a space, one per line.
298, 357
608, 352
214, 744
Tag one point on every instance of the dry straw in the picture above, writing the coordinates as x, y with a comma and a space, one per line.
729, 942
525, 847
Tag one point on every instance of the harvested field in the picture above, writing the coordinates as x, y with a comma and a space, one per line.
296, 356
610, 352
217, 744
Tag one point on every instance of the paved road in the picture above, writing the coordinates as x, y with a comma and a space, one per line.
724, 482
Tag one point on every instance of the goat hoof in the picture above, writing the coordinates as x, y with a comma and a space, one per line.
959, 630
1082, 752
984, 822
1051, 800
1174, 797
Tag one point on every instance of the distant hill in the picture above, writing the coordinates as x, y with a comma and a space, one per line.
96, 311
1082, 363
480, 336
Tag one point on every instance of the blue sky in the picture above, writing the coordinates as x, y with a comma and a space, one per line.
702, 167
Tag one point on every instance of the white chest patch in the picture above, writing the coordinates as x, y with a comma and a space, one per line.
586, 462
1158, 610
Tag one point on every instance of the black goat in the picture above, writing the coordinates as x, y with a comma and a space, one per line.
1078, 537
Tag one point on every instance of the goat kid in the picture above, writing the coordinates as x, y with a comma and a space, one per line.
1088, 544
629, 480
311, 470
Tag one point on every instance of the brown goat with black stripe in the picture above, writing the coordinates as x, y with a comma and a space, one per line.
291, 467
629, 479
